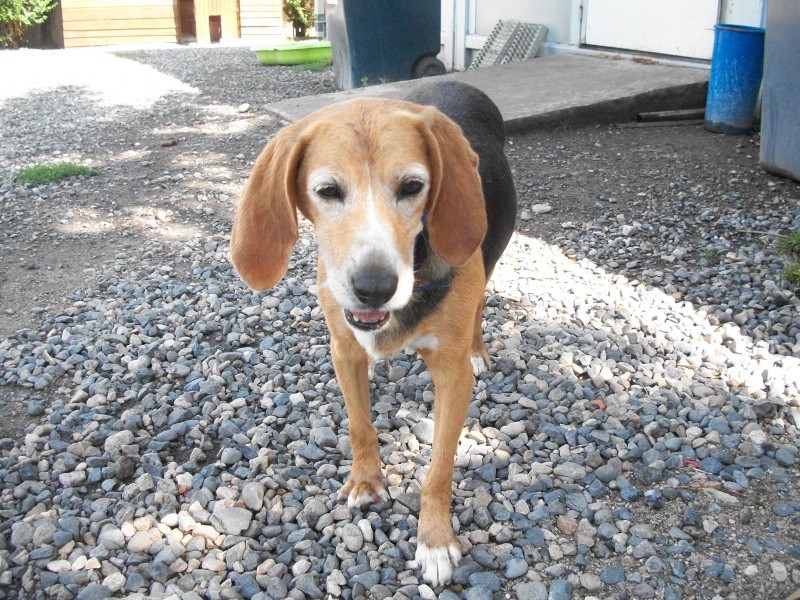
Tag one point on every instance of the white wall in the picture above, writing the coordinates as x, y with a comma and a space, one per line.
467, 23
744, 12
554, 14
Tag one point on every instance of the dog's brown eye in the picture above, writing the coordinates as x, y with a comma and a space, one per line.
409, 188
330, 192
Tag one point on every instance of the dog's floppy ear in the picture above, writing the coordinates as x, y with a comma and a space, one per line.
456, 209
265, 228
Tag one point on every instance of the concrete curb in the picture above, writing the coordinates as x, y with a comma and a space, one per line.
563, 89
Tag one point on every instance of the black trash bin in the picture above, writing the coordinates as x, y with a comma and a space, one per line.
377, 41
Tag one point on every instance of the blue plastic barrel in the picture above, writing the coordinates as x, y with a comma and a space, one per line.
737, 64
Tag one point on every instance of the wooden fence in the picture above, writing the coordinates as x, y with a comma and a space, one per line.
104, 22
107, 22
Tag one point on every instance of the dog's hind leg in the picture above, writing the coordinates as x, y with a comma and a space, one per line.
479, 356
365, 483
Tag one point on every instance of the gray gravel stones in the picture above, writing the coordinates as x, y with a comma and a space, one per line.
535, 590
232, 520
352, 537
612, 575
515, 568
192, 438
570, 470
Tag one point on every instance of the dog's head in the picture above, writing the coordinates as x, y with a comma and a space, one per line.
365, 173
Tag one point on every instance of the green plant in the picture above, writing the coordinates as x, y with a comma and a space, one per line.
315, 66
300, 13
39, 174
365, 82
791, 272
789, 244
17, 15
708, 253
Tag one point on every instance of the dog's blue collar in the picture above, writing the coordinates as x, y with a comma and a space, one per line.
433, 285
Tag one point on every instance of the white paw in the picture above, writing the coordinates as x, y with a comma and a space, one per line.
366, 498
437, 564
478, 365
371, 370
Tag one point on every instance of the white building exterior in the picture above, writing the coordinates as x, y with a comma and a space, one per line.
676, 28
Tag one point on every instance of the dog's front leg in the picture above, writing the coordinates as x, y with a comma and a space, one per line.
438, 551
365, 484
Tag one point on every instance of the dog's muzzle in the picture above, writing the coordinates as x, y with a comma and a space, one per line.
368, 320
373, 286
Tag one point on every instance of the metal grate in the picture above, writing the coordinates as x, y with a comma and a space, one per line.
510, 41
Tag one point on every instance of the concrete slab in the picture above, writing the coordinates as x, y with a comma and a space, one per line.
552, 90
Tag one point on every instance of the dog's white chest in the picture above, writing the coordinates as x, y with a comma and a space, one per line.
424, 342
368, 341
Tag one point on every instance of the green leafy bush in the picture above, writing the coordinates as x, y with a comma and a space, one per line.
300, 13
17, 15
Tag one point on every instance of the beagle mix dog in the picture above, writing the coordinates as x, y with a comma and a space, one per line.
412, 204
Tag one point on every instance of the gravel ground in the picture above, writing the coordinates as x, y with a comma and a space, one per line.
170, 433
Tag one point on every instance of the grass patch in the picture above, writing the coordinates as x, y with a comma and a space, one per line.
789, 244
791, 272
39, 174
315, 66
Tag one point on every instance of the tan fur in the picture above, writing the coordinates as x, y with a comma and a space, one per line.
368, 144
478, 347
349, 136
265, 228
452, 377
369, 166
454, 164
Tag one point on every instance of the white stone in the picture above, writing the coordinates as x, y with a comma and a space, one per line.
751, 571
779, 571
115, 582
570, 469
116, 441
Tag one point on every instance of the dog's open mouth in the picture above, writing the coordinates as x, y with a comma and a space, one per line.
367, 320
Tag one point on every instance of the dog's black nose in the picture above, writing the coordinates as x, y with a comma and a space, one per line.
374, 286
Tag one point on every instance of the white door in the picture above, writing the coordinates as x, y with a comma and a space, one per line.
675, 27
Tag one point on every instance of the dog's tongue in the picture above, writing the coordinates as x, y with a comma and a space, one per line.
369, 316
